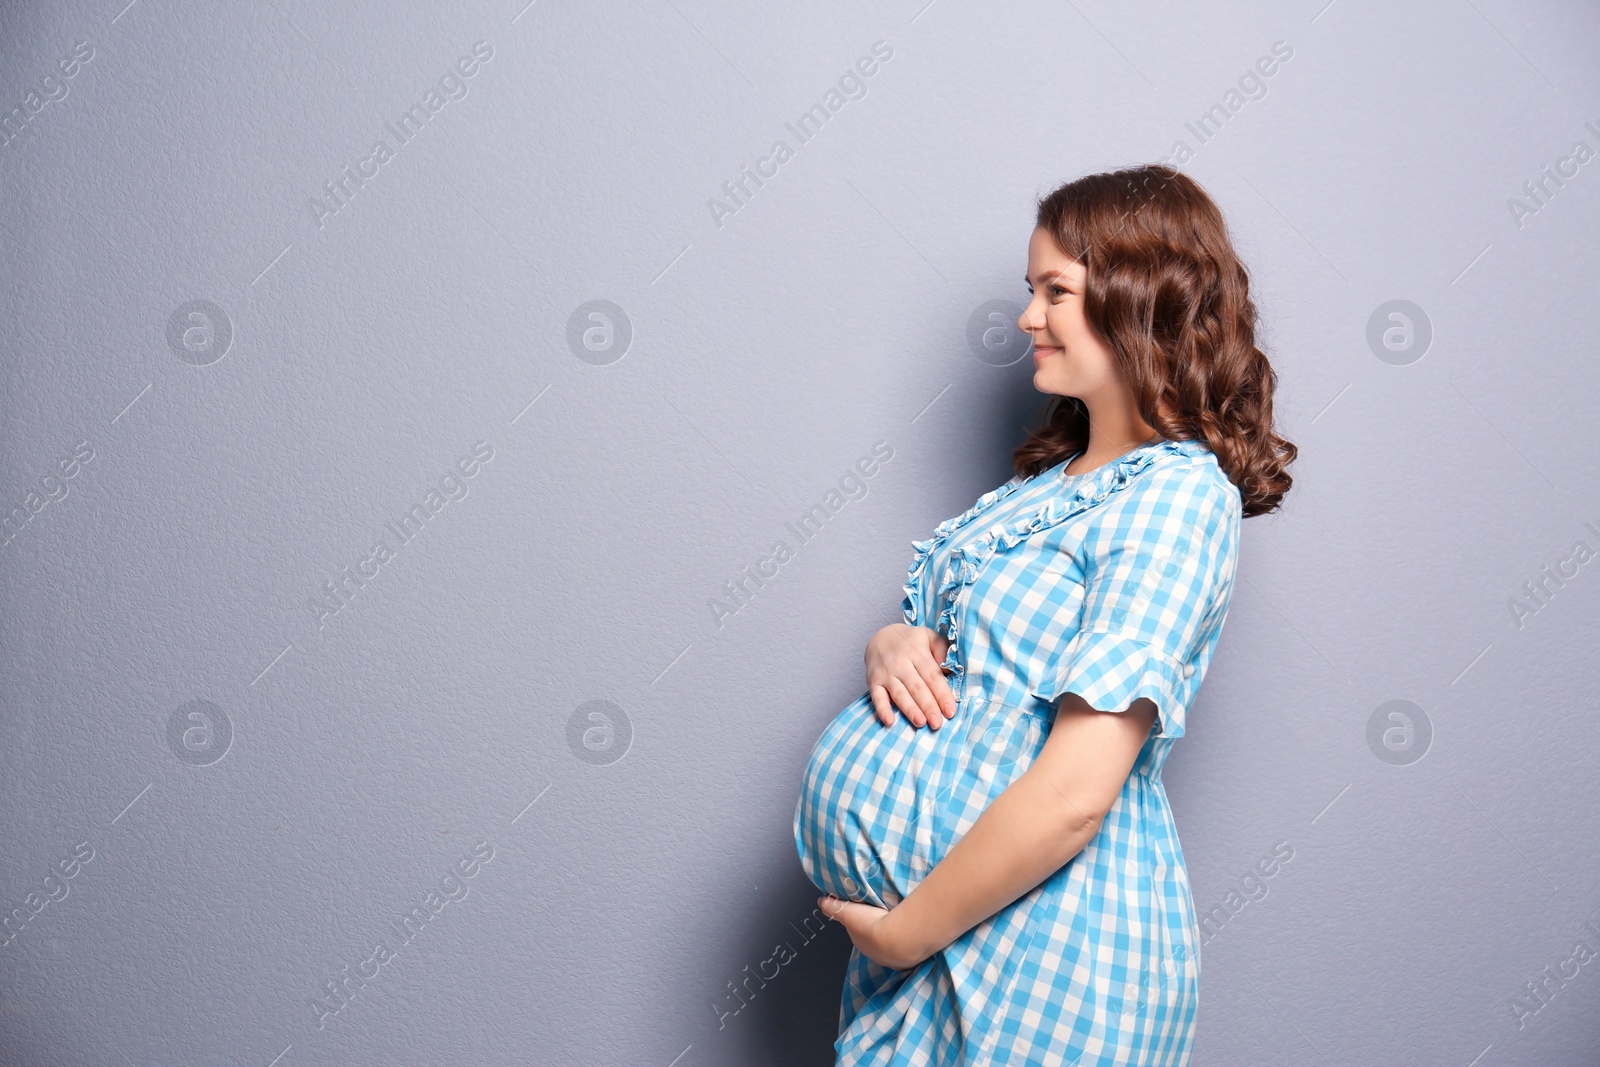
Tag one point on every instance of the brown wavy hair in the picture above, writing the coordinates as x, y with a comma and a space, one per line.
1170, 298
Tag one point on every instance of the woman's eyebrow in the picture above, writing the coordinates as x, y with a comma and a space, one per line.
1046, 276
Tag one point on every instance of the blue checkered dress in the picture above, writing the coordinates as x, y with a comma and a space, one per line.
1112, 585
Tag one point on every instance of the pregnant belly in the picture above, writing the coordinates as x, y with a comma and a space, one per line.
881, 805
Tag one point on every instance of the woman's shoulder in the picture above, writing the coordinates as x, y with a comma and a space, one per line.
1184, 477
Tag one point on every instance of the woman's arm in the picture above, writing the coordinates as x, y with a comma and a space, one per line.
1030, 831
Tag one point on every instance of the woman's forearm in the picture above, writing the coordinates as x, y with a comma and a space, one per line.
1030, 831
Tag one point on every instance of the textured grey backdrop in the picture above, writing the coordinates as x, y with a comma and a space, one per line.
402, 408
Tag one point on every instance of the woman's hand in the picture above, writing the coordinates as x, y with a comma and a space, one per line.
903, 666
871, 928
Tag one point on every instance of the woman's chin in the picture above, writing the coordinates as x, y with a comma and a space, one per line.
1046, 382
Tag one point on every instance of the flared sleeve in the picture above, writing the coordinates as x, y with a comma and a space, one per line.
1158, 577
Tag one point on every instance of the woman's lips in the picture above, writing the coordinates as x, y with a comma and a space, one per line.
1040, 351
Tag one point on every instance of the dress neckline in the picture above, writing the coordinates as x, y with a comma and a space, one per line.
1061, 468
1082, 492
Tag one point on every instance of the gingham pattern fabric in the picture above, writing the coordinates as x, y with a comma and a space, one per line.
1113, 585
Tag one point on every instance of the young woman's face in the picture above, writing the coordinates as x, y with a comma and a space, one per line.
1069, 359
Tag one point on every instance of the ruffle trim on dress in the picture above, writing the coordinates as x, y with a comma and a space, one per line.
968, 561
911, 606
1111, 670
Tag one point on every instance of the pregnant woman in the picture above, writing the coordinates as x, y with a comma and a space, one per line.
1003, 855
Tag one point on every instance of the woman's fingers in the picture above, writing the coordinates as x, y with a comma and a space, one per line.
922, 708
925, 699
908, 707
905, 672
939, 689
881, 706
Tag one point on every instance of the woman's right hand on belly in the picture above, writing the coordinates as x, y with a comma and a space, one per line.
903, 671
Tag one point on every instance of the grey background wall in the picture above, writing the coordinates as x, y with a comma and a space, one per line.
241, 745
